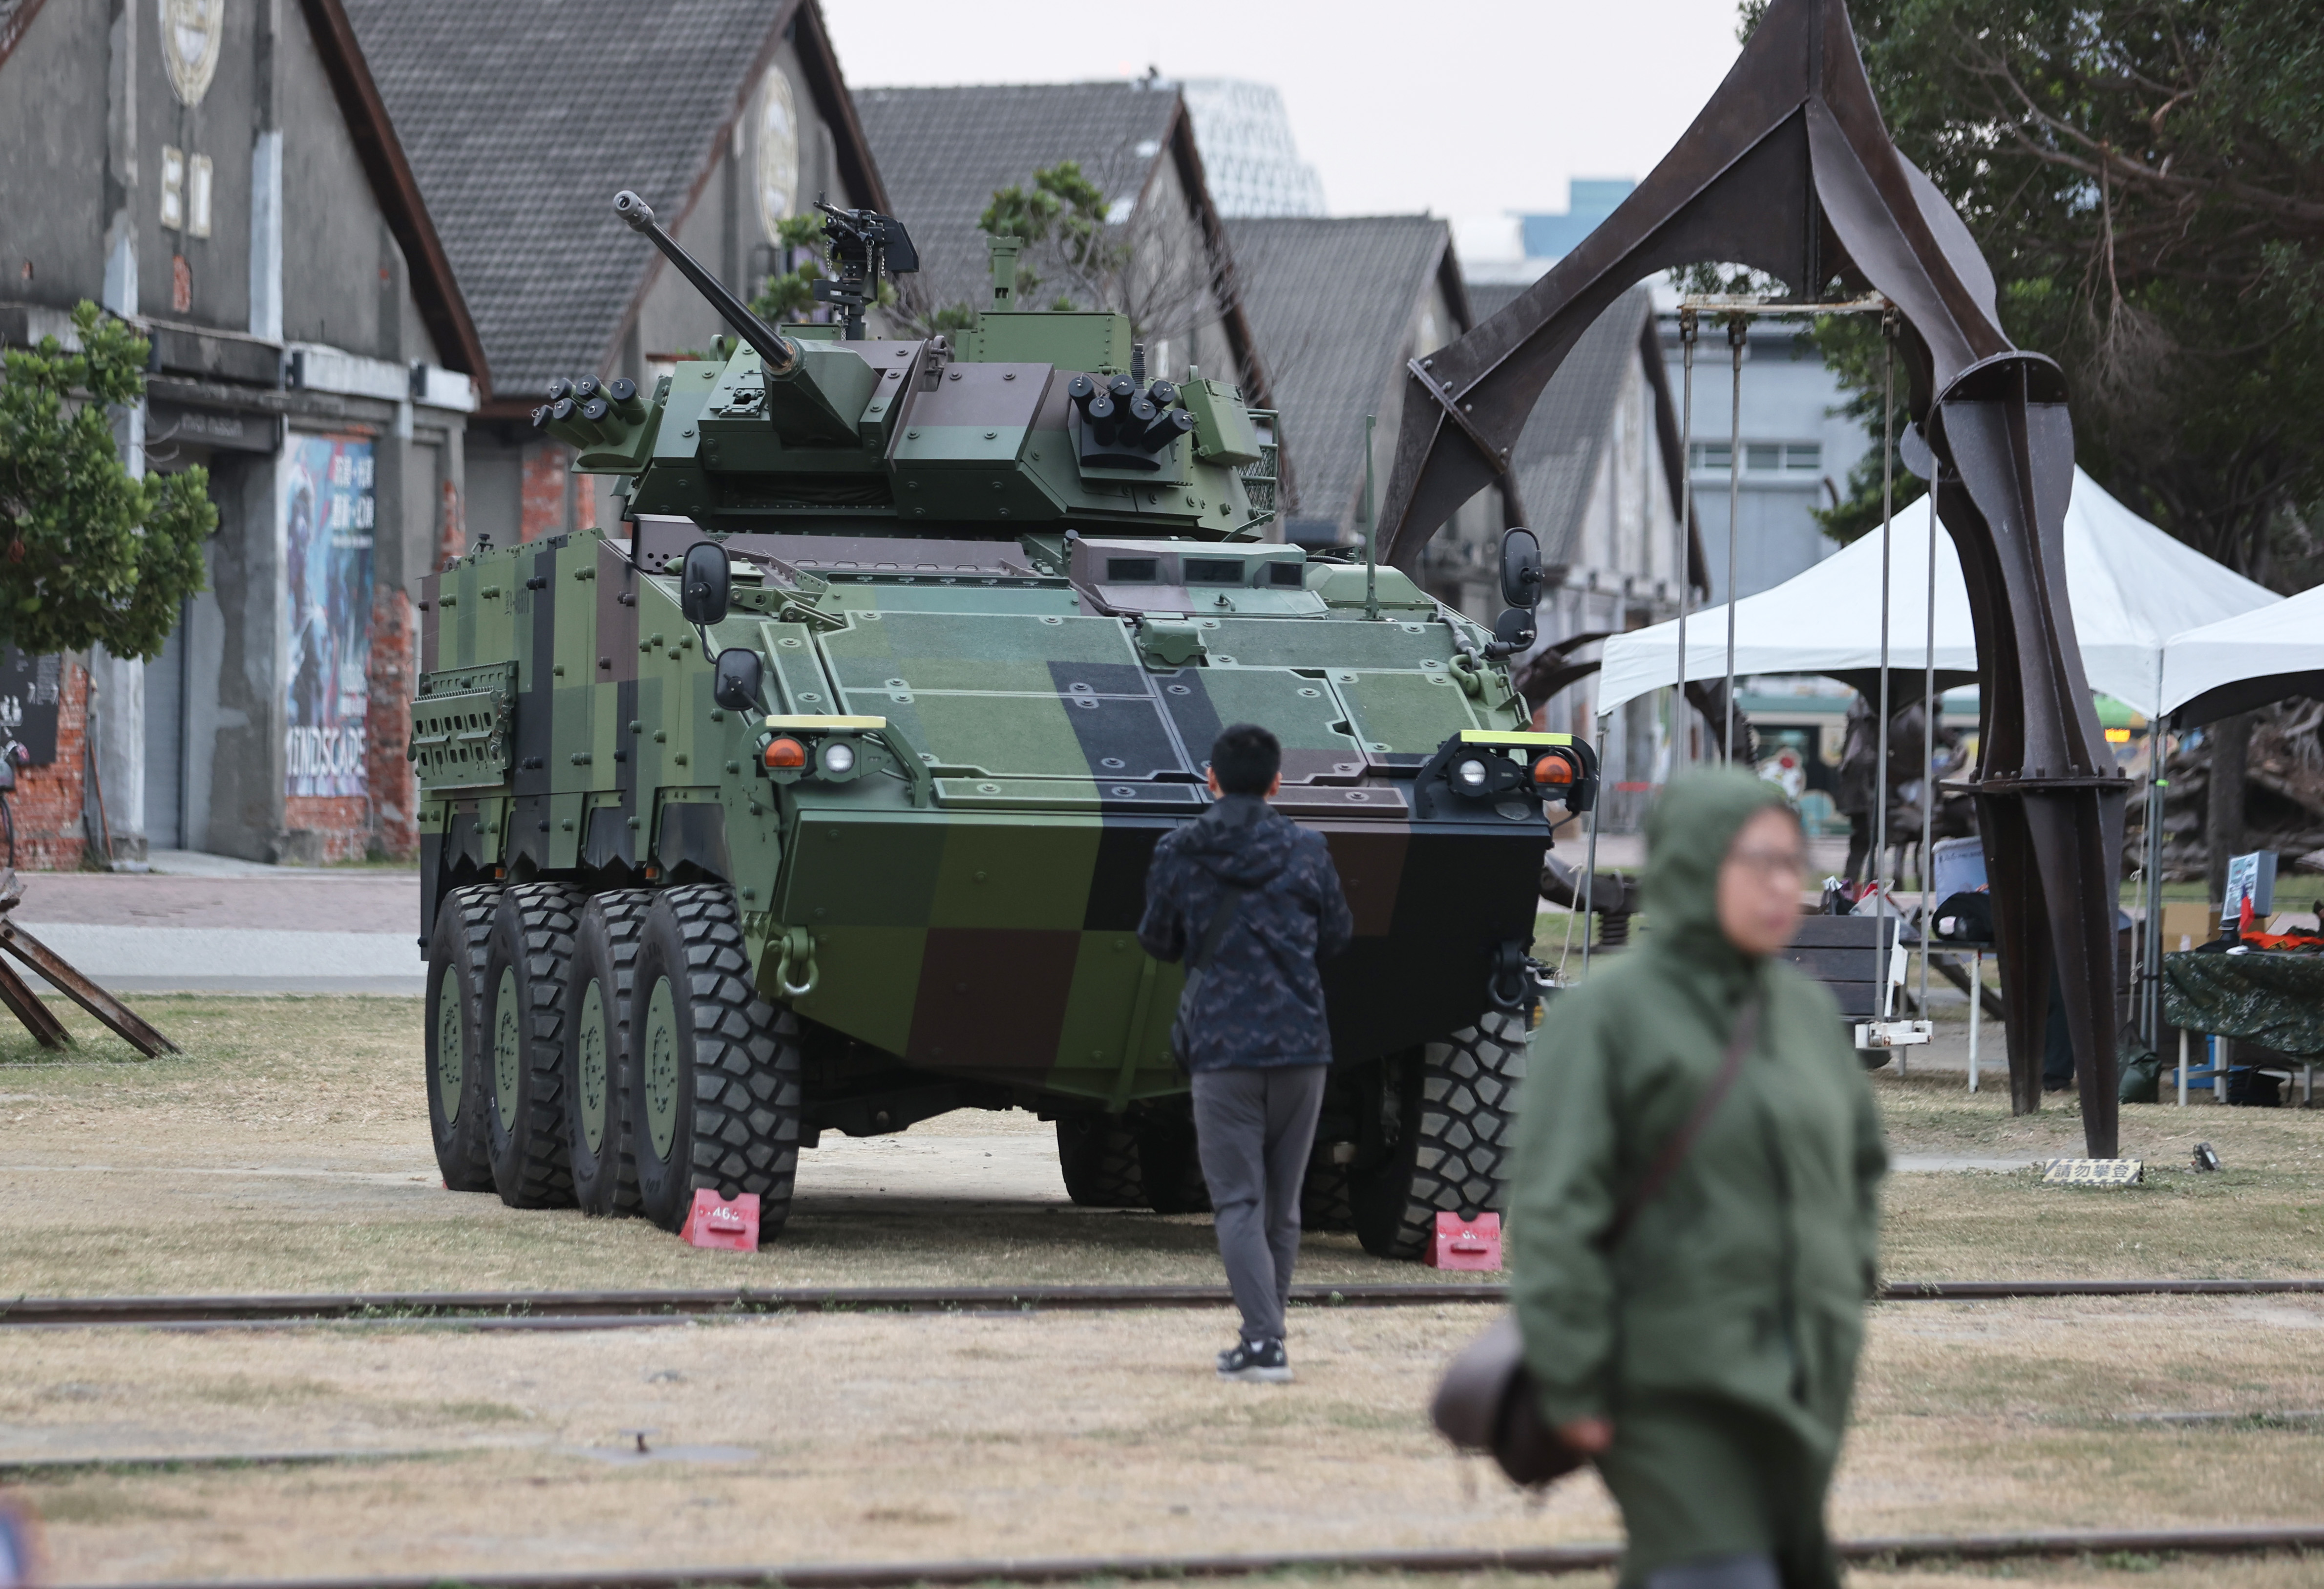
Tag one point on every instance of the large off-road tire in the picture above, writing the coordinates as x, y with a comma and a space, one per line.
1098, 1153
455, 1083
1327, 1196
596, 1078
1444, 1120
1170, 1164
715, 1074
528, 968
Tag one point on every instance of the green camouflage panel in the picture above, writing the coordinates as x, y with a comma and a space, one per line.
966, 897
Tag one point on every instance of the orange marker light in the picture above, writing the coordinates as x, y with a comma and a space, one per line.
786, 752
1553, 770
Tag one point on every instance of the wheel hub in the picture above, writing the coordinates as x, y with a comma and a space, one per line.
447, 1046
660, 1055
589, 1052
508, 1045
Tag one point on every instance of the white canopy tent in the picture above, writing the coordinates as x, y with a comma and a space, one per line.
2131, 587
2245, 661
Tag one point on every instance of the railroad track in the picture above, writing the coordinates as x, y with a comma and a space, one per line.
1542, 1559
568, 1310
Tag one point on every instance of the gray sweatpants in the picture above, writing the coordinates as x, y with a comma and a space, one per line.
1254, 1130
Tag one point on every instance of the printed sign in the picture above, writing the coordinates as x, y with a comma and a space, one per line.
28, 703
328, 511
2093, 1172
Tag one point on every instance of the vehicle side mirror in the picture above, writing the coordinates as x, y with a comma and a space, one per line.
1514, 628
1520, 569
707, 583
736, 686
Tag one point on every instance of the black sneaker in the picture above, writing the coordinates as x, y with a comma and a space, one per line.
1264, 1362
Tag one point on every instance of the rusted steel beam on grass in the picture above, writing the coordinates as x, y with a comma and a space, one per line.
602, 1308
81, 991
26, 1006
1789, 170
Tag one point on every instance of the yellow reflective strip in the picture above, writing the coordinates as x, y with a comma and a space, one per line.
1496, 737
808, 724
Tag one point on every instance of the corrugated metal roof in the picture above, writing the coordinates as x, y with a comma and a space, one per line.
945, 153
522, 119
1555, 459
1331, 303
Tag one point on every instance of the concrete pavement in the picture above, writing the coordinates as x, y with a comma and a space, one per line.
210, 924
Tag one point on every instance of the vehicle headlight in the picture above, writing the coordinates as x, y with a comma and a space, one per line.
1470, 775
838, 759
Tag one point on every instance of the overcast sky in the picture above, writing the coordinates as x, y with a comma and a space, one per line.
1464, 107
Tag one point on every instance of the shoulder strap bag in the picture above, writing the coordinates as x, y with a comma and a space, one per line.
1486, 1400
1198, 967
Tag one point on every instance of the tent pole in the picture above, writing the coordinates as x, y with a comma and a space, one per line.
1682, 719
1590, 867
1929, 708
1738, 328
2158, 743
1880, 766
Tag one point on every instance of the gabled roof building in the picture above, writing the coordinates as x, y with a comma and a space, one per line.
1338, 306
224, 176
523, 118
945, 153
1598, 474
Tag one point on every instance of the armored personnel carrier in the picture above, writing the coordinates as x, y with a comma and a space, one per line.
818, 795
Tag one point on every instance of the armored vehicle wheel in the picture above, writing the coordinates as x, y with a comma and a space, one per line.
1098, 1153
1327, 1196
1442, 1120
597, 1086
715, 1071
528, 964
1169, 1166
455, 1083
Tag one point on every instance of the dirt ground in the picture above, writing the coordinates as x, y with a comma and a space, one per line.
288, 1151
824, 1437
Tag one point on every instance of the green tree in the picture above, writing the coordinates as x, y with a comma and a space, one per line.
1062, 218
788, 295
2146, 178
89, 553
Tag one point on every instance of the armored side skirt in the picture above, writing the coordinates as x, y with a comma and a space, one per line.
1006, 951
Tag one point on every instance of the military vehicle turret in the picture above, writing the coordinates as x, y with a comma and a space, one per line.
817, 793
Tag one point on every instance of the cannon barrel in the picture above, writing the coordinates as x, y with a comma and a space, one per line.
779, 351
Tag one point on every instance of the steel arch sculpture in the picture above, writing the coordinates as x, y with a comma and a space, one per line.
1790, 169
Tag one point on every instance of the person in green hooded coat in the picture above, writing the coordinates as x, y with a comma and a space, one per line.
1704, 1354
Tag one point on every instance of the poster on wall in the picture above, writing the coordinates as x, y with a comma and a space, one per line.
327, 516
28, 703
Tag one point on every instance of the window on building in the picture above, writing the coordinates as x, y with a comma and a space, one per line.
1760, 457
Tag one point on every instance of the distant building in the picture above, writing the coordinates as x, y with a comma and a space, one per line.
524, 117
221, 176
1598, 481
1797, 448
1589, 200
945, 153
1338, 306
1249, 155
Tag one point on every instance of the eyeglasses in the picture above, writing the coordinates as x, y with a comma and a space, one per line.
1769, 863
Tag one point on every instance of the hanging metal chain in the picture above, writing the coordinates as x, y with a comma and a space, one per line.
1682, 718
1738, 329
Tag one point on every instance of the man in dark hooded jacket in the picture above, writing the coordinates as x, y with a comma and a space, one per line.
1251, 901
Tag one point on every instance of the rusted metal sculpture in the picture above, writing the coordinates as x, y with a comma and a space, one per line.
1789, 170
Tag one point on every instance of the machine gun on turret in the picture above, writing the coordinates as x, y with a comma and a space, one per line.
863, 243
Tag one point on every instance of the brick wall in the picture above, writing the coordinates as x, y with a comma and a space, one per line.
394, 677
318, 829
46, 803
547, 478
